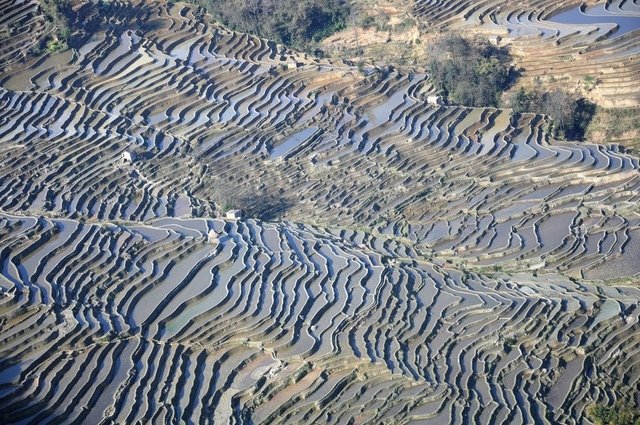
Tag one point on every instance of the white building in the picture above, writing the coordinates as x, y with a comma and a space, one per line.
434, 100
495, 40
129, 157
213, 236
235, 214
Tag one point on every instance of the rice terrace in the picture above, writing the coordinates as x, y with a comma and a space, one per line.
320, 211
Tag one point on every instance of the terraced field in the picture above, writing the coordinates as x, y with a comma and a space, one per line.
564, 42
21, 24
399, 263
283, 322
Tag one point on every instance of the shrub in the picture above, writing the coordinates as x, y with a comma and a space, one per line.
368, 22
60, 14
55, 46
618, 414
590, 82
70, 27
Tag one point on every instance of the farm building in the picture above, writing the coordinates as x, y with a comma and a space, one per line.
434, 100
129, 157
235, 214
213, 236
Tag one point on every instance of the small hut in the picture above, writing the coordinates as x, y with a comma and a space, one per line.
495, 40
235, 215
129, 157
434, 100
213, 237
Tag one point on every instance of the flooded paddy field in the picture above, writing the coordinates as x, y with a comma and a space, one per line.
398, 262
571, 41
625, 16
237, 331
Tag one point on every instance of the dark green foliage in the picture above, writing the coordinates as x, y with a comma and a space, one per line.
69, 27
368, 22
297, 23
60, 14
618, 414
571, 114
471, 73
524, 100
55, 46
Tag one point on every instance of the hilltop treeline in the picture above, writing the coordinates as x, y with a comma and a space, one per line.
297, 23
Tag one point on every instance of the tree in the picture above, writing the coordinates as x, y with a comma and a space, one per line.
559, 105
69, 27
519, 101
58, 12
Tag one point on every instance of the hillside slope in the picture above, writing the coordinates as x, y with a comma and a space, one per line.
400, 262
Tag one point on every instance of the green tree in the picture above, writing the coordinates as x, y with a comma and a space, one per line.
618, 414
520, 101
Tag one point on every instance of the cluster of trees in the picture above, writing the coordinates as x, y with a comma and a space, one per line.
297, 23
60, 17
571, 114
619, 414
68, 27
477, 74
471, 73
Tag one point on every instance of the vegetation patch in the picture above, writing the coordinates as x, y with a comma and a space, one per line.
296, 23
68, 26
571, 113
55, 46
471, 73
618, 414
616, 124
